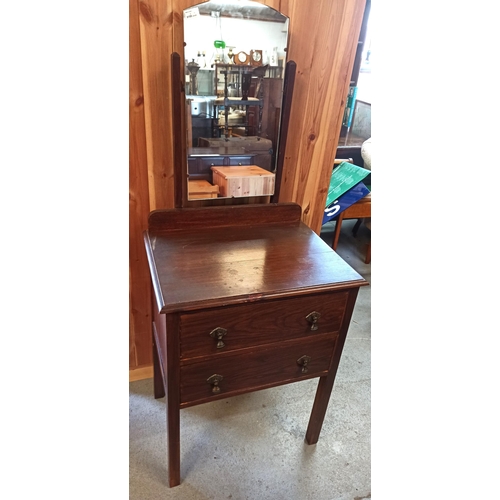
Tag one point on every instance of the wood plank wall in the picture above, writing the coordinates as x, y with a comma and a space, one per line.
322, 41
140, 352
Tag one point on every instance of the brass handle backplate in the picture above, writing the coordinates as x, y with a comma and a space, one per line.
313, 319
214, 380
217, 334
304, 361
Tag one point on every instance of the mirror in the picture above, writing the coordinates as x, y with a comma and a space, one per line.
235, 56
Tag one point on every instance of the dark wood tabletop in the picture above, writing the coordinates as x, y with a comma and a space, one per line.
219, 256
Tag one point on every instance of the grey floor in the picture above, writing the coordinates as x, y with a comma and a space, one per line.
252, 446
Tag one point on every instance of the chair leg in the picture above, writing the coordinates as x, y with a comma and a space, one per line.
356, 226
368, 257
336, 234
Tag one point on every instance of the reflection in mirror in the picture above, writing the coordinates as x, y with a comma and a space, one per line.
235, 55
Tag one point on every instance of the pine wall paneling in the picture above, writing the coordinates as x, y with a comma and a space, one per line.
322, 41
140, 352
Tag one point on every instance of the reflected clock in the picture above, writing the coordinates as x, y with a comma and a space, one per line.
241, 58
256, 57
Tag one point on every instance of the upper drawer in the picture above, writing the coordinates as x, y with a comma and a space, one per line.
204, 164
240, 160
247, 325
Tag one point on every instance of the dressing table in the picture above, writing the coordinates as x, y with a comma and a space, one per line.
246, 297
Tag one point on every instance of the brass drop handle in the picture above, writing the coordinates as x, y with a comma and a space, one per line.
304, 361
217, 334
214, 380
313, 319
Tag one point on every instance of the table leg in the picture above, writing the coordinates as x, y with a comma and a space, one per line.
173, 446
320, 406
325, 384
159, 387
173, 401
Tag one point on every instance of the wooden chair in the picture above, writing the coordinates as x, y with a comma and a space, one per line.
360, 210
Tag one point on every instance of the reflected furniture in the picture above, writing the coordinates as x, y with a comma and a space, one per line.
201, 160
201, 189
237, 182
248, 96
235, 94
246, 297
190, 164
260, 148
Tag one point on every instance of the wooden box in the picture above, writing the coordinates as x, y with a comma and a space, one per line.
249, 180
200, 189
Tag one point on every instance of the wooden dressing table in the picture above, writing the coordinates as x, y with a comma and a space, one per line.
246, 297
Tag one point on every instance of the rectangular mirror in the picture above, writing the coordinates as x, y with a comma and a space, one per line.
235, 55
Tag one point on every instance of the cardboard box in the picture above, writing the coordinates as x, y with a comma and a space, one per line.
249, 180
200, 189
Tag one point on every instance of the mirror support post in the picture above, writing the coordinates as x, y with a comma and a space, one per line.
288, 83
178, 112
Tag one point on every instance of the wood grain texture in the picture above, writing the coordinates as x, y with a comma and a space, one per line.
261, 368
324, 58
171, 369
158, 374
140, 374
325, 384
224, 216
239, 181
140, 346
156, 18
323, 39
262, 323
178, 127
262, 279
234, 260
288, 84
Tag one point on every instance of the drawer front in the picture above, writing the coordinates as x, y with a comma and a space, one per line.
206, 163
239, 160
256, 369
236, 327
192, 165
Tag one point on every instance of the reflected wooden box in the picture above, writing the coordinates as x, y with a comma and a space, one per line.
249, 180
199, 189
259, 147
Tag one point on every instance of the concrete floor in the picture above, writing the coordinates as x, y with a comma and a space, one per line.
252, 446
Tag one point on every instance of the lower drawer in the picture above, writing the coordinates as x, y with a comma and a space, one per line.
262, 367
